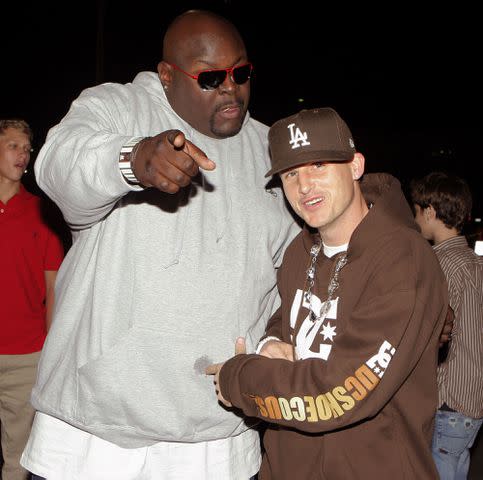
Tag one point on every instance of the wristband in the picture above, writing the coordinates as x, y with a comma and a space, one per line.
125, 160
261, 343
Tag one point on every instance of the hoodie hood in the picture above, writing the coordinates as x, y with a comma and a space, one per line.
389, 211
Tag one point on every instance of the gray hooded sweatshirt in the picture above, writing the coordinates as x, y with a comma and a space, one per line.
155, 286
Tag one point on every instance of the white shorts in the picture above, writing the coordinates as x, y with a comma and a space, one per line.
59, 451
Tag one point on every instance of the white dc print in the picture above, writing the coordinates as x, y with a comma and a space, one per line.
314, 339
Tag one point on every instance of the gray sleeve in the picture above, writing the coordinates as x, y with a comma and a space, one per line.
78, 164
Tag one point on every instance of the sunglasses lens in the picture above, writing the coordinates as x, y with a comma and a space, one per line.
242, 74
211, 79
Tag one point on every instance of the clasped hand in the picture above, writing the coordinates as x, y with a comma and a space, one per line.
272, 349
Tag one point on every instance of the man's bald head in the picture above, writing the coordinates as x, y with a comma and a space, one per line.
191, 34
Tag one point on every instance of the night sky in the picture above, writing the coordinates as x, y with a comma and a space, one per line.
405, 82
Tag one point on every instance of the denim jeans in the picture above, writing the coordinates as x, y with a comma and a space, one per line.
454, 435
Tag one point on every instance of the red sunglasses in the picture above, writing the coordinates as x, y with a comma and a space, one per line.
212, 79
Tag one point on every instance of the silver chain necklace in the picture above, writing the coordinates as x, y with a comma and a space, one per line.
333, 284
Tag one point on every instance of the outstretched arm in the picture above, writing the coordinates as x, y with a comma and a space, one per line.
79, 164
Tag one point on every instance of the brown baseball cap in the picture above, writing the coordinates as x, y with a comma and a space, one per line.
313, 135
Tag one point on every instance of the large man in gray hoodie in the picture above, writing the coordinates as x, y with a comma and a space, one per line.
176, 240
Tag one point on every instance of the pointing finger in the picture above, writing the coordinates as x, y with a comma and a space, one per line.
178, 140
199, 156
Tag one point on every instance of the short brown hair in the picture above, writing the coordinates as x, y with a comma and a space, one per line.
19, 124
449, 195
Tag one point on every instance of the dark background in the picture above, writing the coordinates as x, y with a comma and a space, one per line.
405, 81
405, 76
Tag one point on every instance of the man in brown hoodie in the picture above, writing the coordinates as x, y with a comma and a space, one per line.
349, 390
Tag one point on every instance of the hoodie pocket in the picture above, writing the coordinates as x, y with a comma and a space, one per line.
124, 393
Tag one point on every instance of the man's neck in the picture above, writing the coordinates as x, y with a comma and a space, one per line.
444, 233
8, 190
340, 232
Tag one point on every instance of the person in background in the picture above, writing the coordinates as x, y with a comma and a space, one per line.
346, 375
31, 256
442, 205
173, 257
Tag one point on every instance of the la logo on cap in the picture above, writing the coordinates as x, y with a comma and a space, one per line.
297, 136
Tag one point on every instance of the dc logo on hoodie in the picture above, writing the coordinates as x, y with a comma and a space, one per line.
313, 339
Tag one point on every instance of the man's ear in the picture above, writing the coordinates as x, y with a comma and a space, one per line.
429, 213
357, 165
165, 74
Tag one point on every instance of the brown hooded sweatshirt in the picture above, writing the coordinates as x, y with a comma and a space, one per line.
359, 401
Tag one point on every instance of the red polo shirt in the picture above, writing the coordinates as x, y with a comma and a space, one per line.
27, 248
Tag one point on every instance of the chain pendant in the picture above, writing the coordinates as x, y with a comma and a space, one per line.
332, 287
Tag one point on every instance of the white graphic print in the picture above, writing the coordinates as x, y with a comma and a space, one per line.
379, 362
314, 339
297, 136
328, 332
